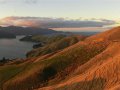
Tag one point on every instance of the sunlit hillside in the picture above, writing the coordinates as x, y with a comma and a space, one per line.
90, 64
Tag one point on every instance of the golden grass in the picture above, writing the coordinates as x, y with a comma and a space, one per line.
92, 64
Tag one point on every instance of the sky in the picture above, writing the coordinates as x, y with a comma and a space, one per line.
67, 12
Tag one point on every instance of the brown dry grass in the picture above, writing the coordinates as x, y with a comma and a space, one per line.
93, 64
102, 72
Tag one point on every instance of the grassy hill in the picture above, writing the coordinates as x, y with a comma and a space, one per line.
43, 38
54, 44
91, 64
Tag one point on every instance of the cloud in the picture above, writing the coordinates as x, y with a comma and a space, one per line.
31, 1
19, 1
55, 22
7, 1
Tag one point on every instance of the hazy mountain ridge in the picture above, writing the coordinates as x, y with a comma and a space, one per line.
91, 64
4, 34
26, 30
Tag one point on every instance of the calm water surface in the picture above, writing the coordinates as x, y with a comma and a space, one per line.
13, 48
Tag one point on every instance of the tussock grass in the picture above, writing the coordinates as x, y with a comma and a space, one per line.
38, 74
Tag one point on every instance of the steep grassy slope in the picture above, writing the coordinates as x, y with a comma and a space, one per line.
59, 65
92, 64
99, 73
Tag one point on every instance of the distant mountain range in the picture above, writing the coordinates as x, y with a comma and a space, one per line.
14, 30
4, 34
